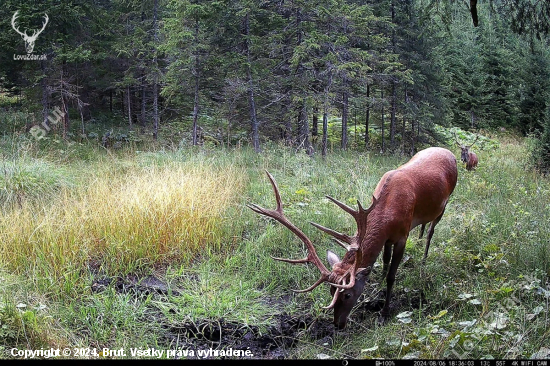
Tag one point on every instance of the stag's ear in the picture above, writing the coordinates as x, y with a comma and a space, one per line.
332, 258
362, 273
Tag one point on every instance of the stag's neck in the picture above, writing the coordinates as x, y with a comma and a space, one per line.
371, 245
382, 228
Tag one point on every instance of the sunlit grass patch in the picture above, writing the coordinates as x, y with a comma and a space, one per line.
123, 222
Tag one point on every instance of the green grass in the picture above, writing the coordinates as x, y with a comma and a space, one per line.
85, 214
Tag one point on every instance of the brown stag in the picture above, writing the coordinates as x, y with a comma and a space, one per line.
414, 194
467, 156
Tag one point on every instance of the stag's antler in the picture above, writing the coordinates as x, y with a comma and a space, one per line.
29, 40
456, 140
477, 136
14, 26
46, 19
351, 243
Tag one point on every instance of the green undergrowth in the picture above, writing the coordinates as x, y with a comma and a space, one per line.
83, 229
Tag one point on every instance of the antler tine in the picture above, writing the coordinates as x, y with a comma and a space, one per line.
360, 215
278, 215
351, 272
343, 206
350, 243
346, 246
319, 281
456, 139
477, 136
333, 302
37, 32
337, 293
340, 238
14, 26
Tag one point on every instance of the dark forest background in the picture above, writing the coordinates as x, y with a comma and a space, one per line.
313, 74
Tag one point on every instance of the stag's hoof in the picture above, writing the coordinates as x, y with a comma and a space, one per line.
382, 319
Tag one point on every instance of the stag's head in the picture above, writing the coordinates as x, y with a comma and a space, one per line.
464, 149
346, 278
29, 40
344, 299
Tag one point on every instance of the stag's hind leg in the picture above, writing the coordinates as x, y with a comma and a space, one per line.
430, 234
422, 231
398, 250
386, 257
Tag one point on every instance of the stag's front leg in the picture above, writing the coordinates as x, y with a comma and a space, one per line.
398, 250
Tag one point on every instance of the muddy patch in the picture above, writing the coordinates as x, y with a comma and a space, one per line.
215, 339
224, 339
220, 338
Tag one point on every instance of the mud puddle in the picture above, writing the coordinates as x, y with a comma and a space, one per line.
226, 339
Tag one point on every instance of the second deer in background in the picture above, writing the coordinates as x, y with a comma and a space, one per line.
467, 156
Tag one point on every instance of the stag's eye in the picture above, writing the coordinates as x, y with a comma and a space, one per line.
347, 296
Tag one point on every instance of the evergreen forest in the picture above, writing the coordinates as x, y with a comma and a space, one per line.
137, 221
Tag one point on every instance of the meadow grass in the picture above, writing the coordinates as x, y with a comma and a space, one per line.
118, 221
484, 280
182, 217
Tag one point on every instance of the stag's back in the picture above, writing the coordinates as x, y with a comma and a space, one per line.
420, 188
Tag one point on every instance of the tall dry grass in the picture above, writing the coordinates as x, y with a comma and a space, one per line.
122, 222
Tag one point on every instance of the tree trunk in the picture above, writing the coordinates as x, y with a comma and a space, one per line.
83, 130
196, 93
252, 104
367, 118
304, 129
394, 82
345, 105
196, 111
45, 95
355, 127
287, 115
64, 107
325, 133
123, 100
129, 106
403, 136
413, 137
325, 116
315, 123
403, 131
393, 113
143, 102
155, 73
303, 122
383, 142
